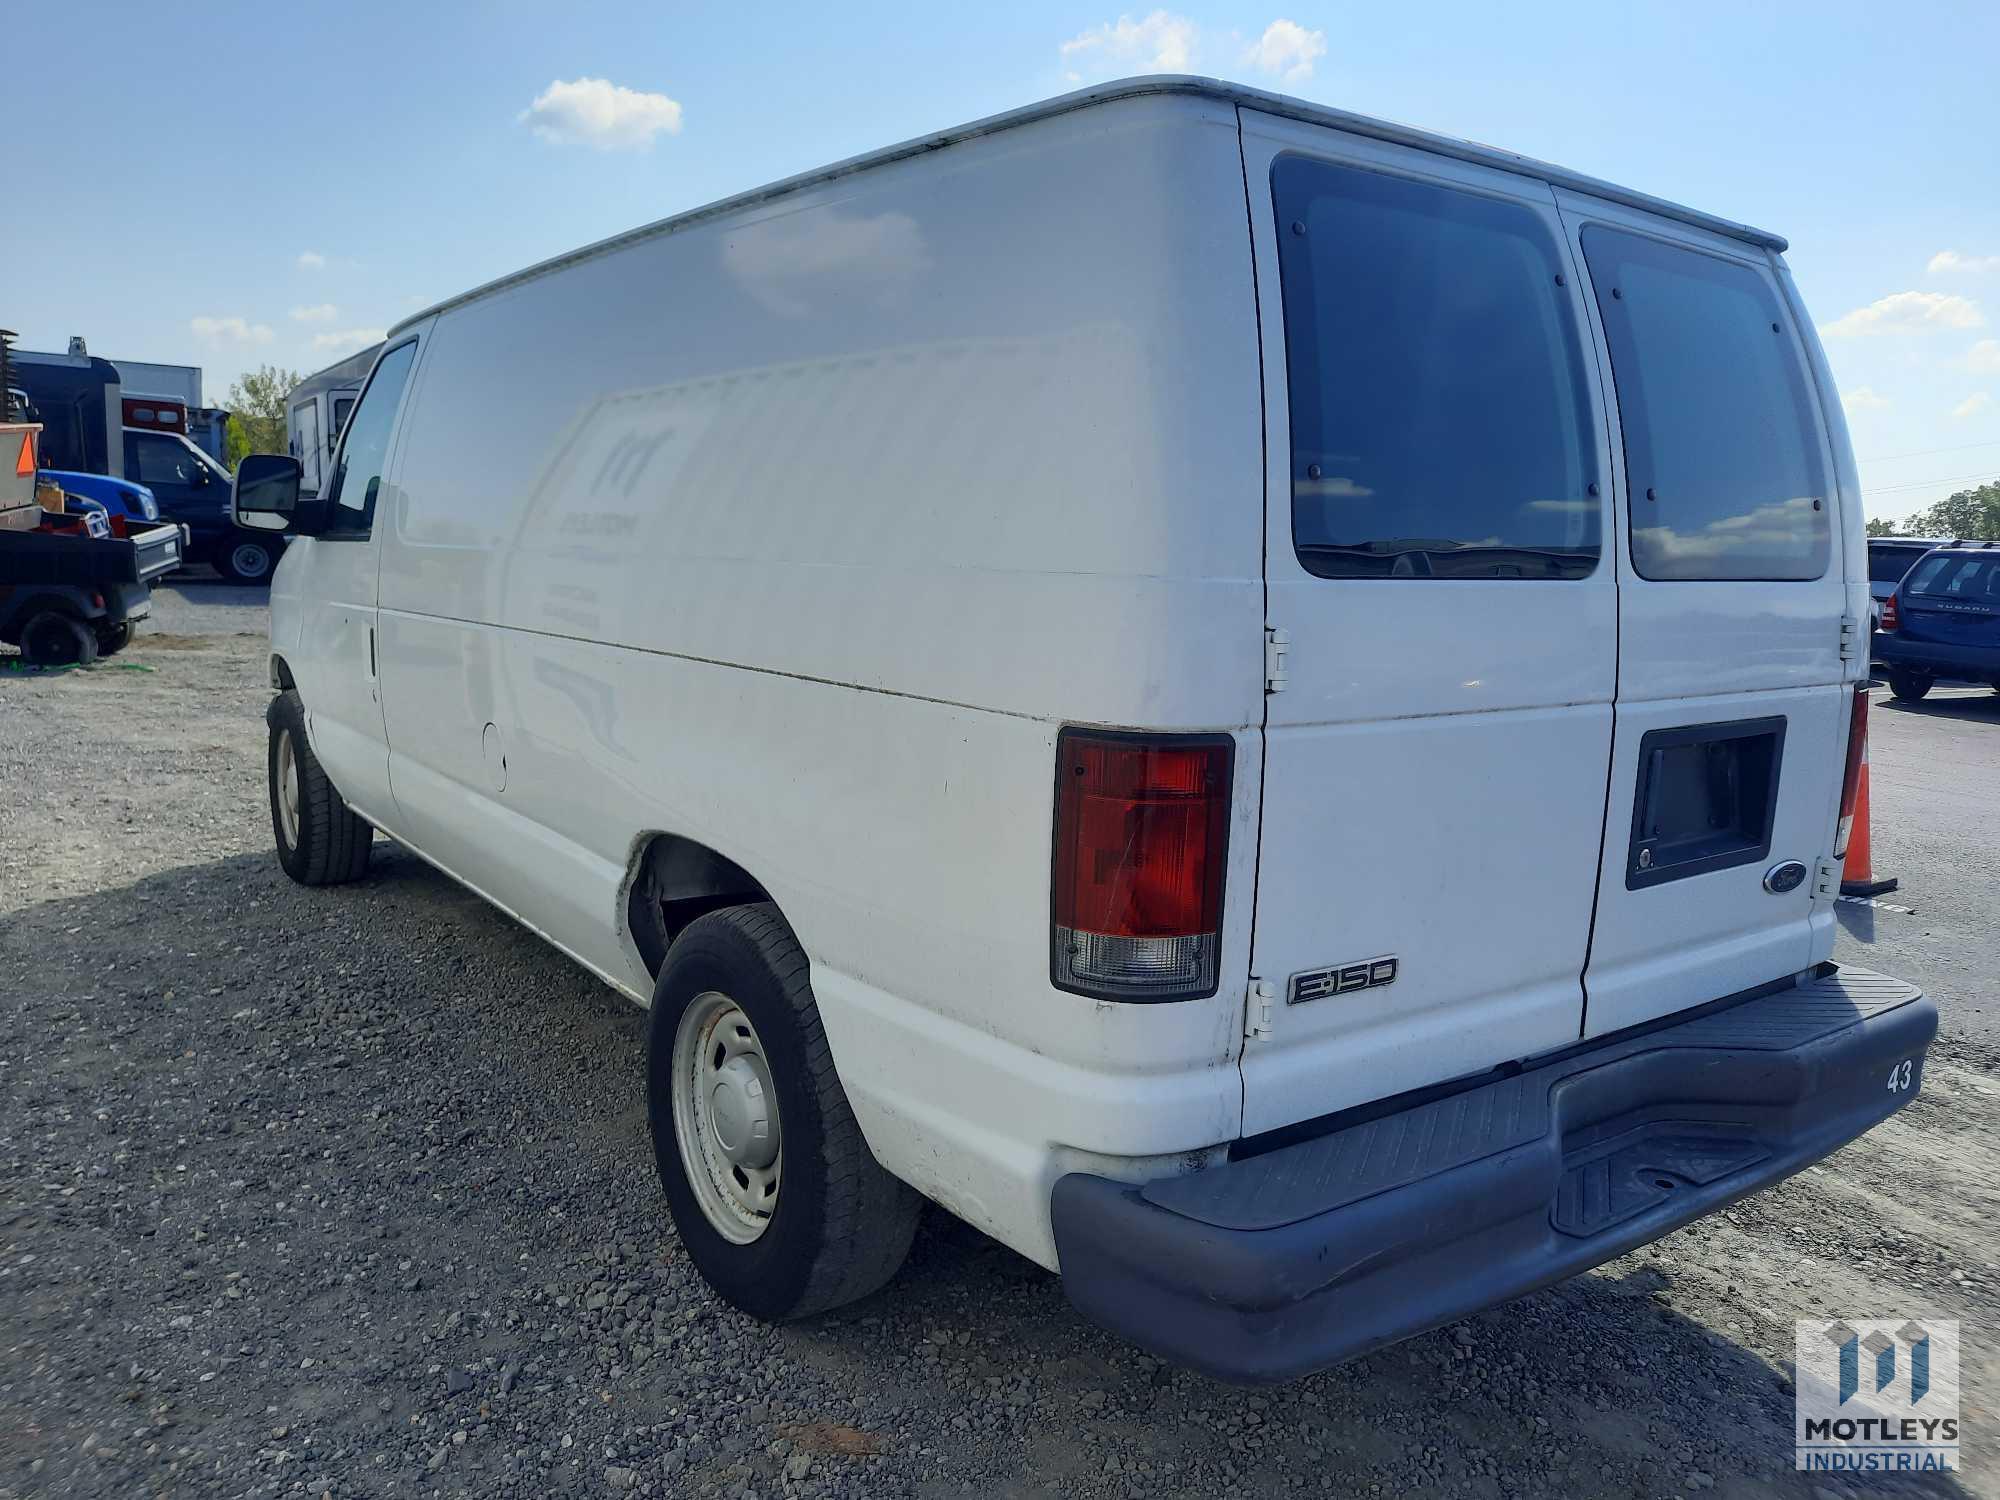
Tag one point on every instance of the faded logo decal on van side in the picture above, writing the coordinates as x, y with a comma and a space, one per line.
1317, 984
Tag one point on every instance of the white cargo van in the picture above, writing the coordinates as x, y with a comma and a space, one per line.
1260, 704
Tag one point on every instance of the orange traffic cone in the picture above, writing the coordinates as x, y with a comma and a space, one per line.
1857, 875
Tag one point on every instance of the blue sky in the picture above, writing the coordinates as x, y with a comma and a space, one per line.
229, 185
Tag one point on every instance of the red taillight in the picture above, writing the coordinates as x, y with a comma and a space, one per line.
1889, 620
1142, 833
1857, 747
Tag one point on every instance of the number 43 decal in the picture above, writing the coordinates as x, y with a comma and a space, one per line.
1899, 1076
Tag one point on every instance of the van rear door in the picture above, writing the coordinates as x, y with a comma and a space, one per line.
1438, 565
1733, 695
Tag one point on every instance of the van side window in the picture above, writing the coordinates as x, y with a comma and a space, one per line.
1722, 458
358, 474
1440, 414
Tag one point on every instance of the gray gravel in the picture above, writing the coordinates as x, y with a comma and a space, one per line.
349, 1192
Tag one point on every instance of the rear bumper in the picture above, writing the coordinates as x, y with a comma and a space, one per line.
1980, 663
1279, 1264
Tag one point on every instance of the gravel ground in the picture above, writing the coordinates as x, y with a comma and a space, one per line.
349, 1192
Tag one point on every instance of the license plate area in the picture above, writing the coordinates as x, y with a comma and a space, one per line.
1706, 798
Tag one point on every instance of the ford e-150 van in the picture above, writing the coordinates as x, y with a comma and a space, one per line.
1260, 704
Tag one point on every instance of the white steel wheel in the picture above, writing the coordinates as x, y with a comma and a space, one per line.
288, 789
726, 1117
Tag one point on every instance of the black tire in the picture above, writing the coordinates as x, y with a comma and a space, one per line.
332, 843
842, 1226
55, 639
111, 639
1907, 685
247, 560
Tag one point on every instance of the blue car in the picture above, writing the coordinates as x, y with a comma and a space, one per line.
1943, 620
118, 496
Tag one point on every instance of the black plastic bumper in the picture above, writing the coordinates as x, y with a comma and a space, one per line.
1283, 1263
1938, 658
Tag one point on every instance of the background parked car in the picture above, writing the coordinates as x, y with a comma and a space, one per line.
1943, 620
121, 497
1889, 558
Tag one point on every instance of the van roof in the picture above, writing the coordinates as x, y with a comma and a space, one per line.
1128, 88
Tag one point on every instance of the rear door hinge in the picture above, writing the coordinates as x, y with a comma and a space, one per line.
1277, 646
1263, 1006
1852, 639
1826, 879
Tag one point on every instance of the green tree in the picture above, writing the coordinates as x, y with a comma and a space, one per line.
257, 412
1876, 526
1973, 514
236, 443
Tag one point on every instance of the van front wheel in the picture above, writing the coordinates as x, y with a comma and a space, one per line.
320, 840
778, 1200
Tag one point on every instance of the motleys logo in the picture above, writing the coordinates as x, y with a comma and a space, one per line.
1876, 1395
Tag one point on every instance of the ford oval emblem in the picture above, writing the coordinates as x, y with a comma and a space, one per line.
1788, 876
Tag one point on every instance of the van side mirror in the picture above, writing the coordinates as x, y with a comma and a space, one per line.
265, 495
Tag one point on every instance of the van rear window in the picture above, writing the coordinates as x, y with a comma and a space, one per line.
1722, 456
1440, 415
1889, 564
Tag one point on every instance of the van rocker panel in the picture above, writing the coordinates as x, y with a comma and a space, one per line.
1279, 1264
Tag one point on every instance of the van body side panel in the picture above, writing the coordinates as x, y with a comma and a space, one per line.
1850, 530
812, 527
1434, 777
1697, 652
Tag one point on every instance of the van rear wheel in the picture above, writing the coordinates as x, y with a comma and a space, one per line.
320, 840
778, 1200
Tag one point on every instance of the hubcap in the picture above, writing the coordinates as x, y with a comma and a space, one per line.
250, 561
288, 790
726, 1117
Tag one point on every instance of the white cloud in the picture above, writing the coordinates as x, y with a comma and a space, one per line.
323, 312
596, 112
230, 330
1908, 312
311, 260
1983, 358
1286, 50
1972, 406
349, 338
1161, 43
1863, 398
1947, 261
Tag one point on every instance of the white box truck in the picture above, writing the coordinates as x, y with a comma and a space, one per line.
1261, 704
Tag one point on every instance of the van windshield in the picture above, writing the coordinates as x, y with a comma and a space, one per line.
1440, 417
